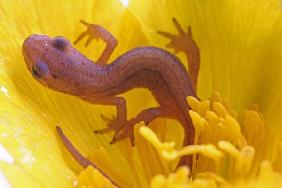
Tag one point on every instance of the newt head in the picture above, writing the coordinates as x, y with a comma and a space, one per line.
40, 52
48, 60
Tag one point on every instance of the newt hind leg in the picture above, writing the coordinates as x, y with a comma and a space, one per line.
127, 129
183, 41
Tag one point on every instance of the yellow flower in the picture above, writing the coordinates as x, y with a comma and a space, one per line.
240, 48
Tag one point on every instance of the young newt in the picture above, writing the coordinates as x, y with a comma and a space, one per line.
56, 64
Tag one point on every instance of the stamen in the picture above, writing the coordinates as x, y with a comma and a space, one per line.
207, 150
168, 151
219, 109
178, 179
213, 116
193, 102
199, 125
246, 160
213, 176
78, 157
165, 149
243, 158
203, 107
198, 121
229, 148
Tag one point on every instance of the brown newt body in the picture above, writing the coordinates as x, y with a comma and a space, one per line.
59, 66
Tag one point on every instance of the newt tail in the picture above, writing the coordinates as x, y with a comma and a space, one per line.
84, 162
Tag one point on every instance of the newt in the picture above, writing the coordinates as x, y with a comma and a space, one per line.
56, 64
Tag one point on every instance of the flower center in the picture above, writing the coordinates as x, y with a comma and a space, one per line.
223, 151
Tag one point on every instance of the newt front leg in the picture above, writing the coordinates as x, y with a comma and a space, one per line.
120, 122
96, 32
117, 123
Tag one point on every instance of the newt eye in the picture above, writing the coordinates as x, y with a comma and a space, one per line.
40, 68
60, 43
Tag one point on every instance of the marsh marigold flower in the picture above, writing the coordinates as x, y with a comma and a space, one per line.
237, 129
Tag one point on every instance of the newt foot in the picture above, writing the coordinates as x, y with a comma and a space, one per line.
179, 42
113, 123
127, 131
183, 41
121, 129
92, 31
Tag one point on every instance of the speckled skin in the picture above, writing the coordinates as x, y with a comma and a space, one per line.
59, 66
